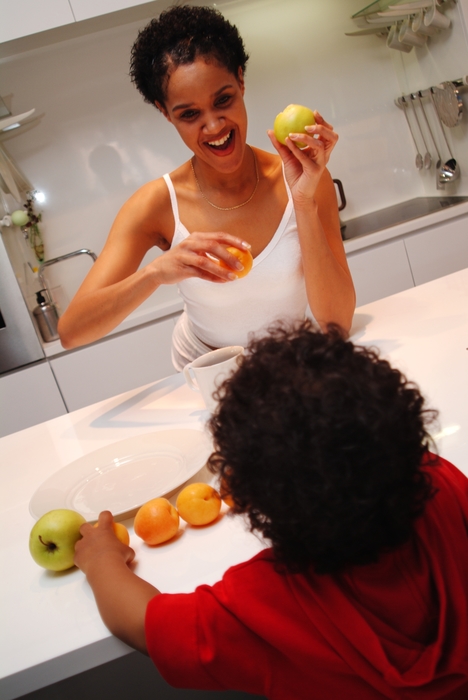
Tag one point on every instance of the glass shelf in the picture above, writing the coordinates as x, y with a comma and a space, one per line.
377, 6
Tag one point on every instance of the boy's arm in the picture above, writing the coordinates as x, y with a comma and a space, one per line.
121, 596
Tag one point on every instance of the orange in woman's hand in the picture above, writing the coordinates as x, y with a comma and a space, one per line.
244, 256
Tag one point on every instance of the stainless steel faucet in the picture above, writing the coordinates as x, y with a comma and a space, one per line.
52, 261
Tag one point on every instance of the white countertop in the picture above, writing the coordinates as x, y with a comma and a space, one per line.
50, 625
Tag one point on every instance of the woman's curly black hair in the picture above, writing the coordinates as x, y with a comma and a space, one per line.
178, 36
320, 443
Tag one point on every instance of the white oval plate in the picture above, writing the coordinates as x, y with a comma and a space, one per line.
124, 475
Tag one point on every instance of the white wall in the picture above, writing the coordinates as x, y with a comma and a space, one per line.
95, 141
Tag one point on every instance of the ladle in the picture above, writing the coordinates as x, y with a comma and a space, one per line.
419, 158
427, 156
449, 171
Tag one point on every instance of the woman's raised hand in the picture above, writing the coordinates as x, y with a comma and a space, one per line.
191, 258
303, 167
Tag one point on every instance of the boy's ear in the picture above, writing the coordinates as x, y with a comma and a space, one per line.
163, 110
240, 79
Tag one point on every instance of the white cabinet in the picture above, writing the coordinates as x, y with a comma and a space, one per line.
380, 271
115, 365
438, 250
23, 17
28, 396
409, 260
84, 9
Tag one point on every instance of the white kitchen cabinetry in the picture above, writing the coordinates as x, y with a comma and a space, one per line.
23, 17
380, 271
115, 365
85, 9
28, 396
438, 250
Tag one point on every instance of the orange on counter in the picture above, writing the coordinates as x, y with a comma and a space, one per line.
228, 500
198, 504
121, 532
156, 521
244, 256
225, 495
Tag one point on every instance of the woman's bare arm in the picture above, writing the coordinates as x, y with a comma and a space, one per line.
116, 284
330, 289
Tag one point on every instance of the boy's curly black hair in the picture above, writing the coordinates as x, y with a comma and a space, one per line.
178, 36
320, 443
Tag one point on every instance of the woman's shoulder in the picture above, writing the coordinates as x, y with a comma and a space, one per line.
149, 211
270, 169
270, 163
153, 192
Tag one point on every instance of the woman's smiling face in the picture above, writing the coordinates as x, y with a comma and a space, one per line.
205, 102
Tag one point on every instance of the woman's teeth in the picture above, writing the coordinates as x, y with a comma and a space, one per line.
220, 142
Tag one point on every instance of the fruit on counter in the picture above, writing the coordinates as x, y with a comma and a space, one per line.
53, 538
228, 500
20, 217
292, 120
121, 532
156, 521
244, 256
225, 495
198, 504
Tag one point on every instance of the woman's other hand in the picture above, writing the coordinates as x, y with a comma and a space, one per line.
304, 167
191, 258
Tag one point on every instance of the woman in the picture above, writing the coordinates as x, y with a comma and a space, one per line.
190, 63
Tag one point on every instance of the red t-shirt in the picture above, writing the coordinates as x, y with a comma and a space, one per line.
397, 629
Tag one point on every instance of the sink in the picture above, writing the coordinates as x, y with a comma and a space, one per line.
396, 214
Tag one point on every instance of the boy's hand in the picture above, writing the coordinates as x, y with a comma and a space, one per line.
121, 596
100, 543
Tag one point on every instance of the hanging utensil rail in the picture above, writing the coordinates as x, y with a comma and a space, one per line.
461, 84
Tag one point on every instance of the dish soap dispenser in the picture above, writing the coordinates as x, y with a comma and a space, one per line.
47, 318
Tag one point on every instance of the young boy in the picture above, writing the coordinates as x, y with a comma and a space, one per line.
364, 592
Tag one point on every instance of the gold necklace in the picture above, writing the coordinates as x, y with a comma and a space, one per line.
237, 205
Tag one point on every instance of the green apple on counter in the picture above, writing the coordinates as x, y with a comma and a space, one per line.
53, 538
20, 217
293, 120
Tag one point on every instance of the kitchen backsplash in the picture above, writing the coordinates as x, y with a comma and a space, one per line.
95, 141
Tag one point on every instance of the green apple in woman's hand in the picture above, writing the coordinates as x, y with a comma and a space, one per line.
20, 217
292, 120
53, 538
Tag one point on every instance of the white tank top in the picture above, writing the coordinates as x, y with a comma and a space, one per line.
229, 314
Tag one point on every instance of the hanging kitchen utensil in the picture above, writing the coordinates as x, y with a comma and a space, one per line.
427, 161
439, 159
448, 103
419, 159
449, 171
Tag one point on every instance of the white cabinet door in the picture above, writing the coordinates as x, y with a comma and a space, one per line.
84, 9
115, 365
24, 17
27, 397
438, 250
380, 271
